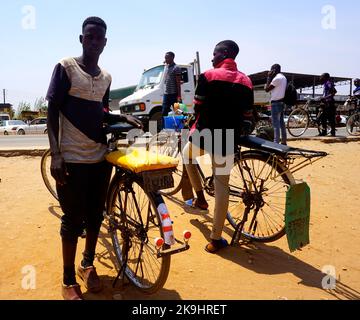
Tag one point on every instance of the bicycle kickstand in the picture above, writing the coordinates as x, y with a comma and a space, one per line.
238, 231
121, 273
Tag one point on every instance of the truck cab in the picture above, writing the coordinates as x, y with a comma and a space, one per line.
146, 101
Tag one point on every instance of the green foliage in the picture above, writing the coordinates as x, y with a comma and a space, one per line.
23, 106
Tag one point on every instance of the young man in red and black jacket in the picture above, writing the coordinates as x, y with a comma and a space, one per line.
224, 100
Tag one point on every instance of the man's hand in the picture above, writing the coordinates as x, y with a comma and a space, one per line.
133, 121
58, 169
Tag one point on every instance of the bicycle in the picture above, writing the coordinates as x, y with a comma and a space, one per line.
305, 116
139, 222
136, 216
46, 173
168, 142
259, 180
353, 121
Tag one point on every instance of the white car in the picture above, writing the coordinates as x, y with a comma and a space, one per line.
37, 126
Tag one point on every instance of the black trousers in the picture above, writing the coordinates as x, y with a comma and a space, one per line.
82, 198
329, 116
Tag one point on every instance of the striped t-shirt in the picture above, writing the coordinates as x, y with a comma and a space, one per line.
171, 72
81, 99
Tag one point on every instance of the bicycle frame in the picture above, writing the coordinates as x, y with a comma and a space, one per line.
130, 228
290, 160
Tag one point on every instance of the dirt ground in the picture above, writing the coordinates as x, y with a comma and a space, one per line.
30, 252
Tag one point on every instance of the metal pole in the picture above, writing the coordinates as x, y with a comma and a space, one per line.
4, 95
351, 84
314, 87
198, 62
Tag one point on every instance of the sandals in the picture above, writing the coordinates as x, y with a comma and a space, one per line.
215, 245
193, 203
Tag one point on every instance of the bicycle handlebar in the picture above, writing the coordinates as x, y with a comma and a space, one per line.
119, 128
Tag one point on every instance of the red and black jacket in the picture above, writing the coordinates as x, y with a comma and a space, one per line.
223, 96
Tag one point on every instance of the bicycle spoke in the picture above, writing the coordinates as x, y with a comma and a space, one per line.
267, 184
139, 228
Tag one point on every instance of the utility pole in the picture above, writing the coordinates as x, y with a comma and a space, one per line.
4, 95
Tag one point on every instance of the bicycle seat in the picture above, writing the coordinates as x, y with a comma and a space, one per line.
118, 128
252, 142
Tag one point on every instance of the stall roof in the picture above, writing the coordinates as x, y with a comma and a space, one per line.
301, 81
122, 93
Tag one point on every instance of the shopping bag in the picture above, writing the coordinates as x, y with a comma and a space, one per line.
297, 216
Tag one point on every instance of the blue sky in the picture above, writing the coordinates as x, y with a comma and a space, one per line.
140, 32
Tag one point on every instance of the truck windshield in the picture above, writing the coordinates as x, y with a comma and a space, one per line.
151, 77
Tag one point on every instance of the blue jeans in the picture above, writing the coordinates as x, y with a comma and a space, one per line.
277, 117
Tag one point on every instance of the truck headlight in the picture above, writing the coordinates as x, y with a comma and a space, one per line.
138, 107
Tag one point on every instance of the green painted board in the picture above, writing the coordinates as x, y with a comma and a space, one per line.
297, 216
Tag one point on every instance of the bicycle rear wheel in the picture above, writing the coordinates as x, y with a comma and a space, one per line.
353, 125
46, 173
272, 180
134, 223
298, 122
167, 143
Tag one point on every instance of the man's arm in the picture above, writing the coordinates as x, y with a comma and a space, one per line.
332, 92
114, 118
200, 94
268, 86
56, 95
178, 84
58, 168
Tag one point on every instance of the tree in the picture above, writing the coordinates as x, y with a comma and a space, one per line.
41, 106
23, 106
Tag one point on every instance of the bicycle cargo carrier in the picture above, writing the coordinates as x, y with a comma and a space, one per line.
155, 169
139, 160
294, 158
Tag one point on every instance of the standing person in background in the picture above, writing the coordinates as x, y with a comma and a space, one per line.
276, 84
78, 96
172, 92
329, 114
357, 88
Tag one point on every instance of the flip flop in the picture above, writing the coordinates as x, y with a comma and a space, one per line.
215, 245
192, 203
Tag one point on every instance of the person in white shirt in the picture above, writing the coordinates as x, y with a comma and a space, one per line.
276, 84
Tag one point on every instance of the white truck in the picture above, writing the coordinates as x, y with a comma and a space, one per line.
146, 101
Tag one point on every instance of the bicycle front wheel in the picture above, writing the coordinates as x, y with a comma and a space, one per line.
168, 143
134, 224
353, 125
46, 173
266, 180
298, 122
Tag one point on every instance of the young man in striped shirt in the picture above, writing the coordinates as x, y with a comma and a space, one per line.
78, 95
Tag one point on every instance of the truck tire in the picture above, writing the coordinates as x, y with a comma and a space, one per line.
157, 116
